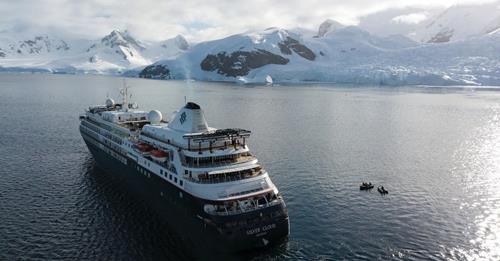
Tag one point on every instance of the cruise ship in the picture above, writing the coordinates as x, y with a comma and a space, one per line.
198, 177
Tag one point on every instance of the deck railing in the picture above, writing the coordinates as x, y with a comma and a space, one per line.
239, 208
221, 178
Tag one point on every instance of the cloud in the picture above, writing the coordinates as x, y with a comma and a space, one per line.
413, 18
196, 19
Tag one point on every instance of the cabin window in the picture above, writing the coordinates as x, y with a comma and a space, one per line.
161, 171
185, 172
170, 177
180, 182
175, 180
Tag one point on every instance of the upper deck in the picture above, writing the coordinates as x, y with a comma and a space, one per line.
189, 131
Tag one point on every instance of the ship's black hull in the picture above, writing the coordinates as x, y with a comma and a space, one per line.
185, 214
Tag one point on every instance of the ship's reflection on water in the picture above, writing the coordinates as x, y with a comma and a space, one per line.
137, 231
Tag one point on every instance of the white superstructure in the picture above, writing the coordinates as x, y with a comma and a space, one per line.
210, 164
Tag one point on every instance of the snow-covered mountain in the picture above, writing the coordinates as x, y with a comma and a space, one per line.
403, 21
460, 22
118, 48
114, 53
344, 55
235, 56
166, 49
435, 25
37, 45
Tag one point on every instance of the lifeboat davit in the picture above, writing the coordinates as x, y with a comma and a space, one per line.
144, 148
159, 155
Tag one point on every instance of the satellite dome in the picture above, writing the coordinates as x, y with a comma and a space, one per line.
110, 102
154, 117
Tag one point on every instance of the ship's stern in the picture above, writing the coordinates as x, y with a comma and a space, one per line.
256, 229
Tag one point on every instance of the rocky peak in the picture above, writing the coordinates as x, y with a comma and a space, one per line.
117, 38
38, 45
329, 26
181, 42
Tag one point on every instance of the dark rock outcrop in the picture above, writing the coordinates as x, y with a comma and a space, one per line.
290, 44
239, 63
443, 36
157, 71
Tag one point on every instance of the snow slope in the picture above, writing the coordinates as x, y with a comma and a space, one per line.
460, 22
435, 25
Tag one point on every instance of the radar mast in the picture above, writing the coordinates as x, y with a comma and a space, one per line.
124, 94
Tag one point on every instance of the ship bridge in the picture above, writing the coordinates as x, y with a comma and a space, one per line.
189, 131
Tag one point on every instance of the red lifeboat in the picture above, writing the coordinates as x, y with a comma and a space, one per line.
143, 148
159, 155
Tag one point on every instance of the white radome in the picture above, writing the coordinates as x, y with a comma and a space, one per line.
154, 116
110, 102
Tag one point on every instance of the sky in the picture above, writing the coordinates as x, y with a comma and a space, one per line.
197, 20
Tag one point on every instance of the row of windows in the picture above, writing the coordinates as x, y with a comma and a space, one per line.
108, 128
93, 133
104, 148
169, 176
105, 133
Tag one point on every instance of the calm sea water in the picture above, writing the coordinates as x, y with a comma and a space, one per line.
437, 150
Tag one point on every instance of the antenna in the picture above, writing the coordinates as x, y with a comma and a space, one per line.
185, 101
124, 94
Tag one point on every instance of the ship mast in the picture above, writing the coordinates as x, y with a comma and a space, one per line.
124, 94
